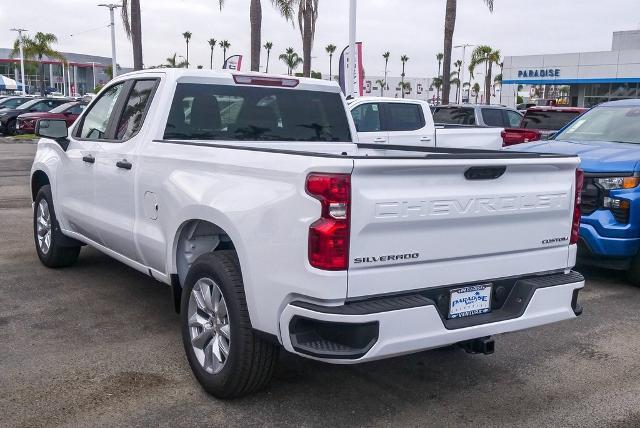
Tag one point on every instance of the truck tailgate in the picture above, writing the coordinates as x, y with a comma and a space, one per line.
420, 223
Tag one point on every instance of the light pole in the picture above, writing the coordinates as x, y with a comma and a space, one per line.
352, 48
464, 51
20, 31
114, 67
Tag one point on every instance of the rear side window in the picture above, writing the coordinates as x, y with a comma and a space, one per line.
513, 118
135, 108
492, 117
367, 117
549, 120
404, 117
248, 113
454, 116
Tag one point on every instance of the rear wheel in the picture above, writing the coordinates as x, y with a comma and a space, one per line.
11, 127
226, 357
53, 248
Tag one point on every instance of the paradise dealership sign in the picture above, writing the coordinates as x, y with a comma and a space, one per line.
551, 72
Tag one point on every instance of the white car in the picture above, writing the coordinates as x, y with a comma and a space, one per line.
405, 122
249, 196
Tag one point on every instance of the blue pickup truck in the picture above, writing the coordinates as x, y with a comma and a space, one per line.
607, 139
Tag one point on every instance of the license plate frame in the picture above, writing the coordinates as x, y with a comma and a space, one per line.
470, 300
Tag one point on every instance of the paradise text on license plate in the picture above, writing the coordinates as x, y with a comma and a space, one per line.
472, 300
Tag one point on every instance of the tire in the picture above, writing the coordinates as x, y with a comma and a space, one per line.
250, 360
54, 249
11, 127
633, 273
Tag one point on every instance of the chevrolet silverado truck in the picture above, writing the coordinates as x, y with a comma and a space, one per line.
405, 122
251, 197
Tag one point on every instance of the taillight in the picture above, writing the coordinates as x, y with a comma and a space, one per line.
511, 137
329, 235
575, 226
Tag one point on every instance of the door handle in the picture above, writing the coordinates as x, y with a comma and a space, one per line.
124, 164
380, 140
425, 139
89, 159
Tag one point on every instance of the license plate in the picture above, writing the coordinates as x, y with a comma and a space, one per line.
472, 300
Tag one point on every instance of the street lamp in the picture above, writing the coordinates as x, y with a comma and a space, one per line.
464, 50
112, 7
20, 31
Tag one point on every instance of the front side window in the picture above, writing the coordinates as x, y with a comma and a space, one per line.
248, 113
133, 114
95, 122
367, 117
612, 123
76, 109
404, 117
492, 117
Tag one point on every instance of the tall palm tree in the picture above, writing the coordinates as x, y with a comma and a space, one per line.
486, 55
476, 89
132, 22
291, 59
187, 37
224, 44
255, 20
307, 17
38, 47
268, 46
212, 44
330, 50
449, 26
173, 62
382, 84
436, 82
439, 57
458, 66
404, 60
386, 57
455, 80
472, 69
405, 87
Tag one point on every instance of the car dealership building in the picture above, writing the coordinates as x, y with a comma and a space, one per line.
579, 79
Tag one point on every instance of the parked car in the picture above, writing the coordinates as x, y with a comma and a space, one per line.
69, 112
407, 122
477, 114
9, 117
13, 102
248, 194
540, 123
607, 139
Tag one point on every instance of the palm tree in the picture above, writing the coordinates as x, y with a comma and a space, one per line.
38, 47
307, 17
255, 19
224, 44
436, 82
472, 69
268, 46
405, 87
439, 57
382, 84
404, 60
386, 57
132, 22
291, 59
212, 44
449, 26
458, 66
486, 55
476, 89
455, 80
187, 37
172, 62
330, 50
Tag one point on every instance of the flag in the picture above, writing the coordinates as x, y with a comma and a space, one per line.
358, 71
233, 63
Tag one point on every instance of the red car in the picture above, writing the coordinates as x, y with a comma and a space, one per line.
539, 123
69, 112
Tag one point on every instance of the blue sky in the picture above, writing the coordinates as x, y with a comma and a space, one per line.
412, 27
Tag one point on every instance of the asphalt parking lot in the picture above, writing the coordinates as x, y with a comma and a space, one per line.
98, 344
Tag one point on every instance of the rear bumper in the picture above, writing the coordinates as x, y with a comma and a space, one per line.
385, 327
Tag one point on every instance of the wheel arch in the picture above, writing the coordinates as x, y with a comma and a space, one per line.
39, 178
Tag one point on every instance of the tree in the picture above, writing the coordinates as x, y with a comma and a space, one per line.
455, 80
458, 66
382, 84
224, 44
330, 50
386, 57
476, 89
255, 20
38, 47
307, 17
436, 82
172, 62
187, 37
291, 59
404, 60
268, 46
439, 57
132, 22
108, 70
405, 87
471, 69
449, 26
486, 55
212, 44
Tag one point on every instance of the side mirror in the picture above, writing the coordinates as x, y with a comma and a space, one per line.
54, 129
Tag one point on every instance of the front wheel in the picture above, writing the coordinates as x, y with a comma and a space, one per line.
226, 356
11, 127
633, 273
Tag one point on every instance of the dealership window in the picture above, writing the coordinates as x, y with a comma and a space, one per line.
598, 93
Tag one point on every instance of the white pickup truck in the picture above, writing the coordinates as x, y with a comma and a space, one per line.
250, 196
405, 122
